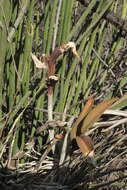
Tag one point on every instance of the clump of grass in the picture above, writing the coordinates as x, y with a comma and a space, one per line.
39, 27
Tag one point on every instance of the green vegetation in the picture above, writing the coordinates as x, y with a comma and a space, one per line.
39, 27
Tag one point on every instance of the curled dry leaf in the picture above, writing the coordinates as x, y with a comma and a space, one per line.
53, 77
49, 61
38, 63
72, 46
85, 144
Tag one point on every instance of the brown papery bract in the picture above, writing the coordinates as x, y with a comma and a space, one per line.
85, 144
82, 115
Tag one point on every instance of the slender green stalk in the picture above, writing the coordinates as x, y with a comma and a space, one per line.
5, 7
53, 12
28, 47
81, 20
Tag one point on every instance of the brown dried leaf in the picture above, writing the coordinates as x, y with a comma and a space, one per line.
82, 115
85, 144
95, 114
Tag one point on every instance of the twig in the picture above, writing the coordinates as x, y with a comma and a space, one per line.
49, 148
101, 124
54, 113
116, 157
113, 146
116, 112
121, 121
98, 56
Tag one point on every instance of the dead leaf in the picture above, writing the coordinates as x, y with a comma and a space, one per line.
38, 63
95, 114
53, 77
73, 47
82, 115
85, 144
